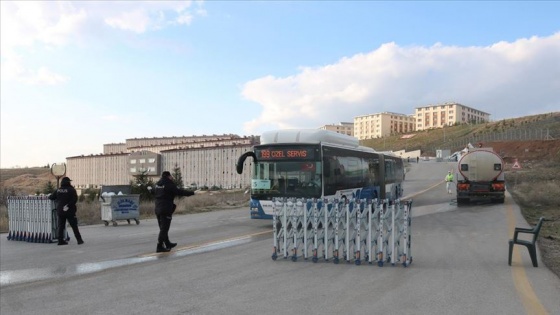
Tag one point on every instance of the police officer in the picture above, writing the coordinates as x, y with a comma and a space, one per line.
66, 198
449, 179
165, 192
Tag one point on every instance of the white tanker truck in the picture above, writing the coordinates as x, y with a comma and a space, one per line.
480, 176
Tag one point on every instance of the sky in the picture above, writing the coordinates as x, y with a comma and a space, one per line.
79, 74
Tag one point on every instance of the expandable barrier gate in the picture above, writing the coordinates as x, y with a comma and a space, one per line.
352, 230
32, 219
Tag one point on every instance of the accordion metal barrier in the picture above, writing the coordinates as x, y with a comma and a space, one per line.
32, 219
358, 230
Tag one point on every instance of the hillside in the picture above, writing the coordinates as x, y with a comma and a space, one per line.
525, 138
25, 180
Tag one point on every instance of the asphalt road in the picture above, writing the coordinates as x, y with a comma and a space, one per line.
223, 266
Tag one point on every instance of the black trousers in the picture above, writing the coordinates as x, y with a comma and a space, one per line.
73, 221
164, 222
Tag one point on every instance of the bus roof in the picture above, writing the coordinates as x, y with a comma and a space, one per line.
311, 136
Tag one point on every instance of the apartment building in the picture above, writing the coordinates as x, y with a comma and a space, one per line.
447, 114
144, 162
345, 128
111, 148
382, 124
207, 161
91, 171
210, 166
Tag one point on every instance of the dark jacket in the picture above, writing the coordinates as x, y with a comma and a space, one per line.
165, 192
66, 198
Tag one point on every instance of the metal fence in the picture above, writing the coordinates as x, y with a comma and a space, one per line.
508, 135
354, 231
32, 219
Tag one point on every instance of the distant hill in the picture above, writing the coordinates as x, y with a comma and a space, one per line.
26, 180
531, 137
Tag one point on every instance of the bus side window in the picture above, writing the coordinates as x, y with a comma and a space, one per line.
373, 166
327, 168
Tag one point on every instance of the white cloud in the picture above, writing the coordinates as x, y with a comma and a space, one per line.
110, 118
137, 21
13, 69
37, 25
25, 23
140, 17
44, 76
503, 79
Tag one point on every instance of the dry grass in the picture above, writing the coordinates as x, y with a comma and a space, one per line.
90, 212
536, 192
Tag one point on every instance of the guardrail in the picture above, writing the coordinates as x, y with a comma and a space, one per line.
32, 219
352, 230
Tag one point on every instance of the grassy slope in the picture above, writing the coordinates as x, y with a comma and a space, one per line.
456, 137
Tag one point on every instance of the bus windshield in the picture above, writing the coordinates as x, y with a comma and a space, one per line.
301, 179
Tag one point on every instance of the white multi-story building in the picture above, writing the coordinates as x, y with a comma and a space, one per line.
210, 166
91, 171
206, 161
382, 124
345, 128
447, 114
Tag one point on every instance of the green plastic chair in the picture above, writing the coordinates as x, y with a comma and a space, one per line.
531, 245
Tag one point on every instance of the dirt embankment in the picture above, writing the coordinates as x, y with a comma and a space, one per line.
26, 180
526, 151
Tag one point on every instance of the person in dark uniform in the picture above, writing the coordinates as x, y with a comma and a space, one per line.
165, 192
66, 198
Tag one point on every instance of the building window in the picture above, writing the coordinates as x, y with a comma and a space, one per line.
132, 161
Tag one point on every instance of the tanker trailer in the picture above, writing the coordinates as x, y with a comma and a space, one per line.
480, 177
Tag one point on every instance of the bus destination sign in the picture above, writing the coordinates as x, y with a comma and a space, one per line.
285, 154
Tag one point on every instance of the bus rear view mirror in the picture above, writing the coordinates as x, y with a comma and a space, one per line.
241, 160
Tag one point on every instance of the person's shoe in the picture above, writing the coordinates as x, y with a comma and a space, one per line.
162, 249
63, 243
80, 242
170, 245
